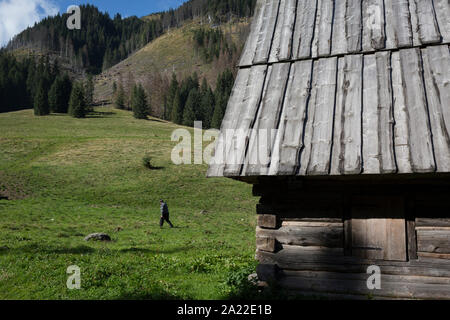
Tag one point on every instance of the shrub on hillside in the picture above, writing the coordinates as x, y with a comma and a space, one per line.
147, 161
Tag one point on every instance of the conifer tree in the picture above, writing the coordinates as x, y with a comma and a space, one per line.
177, 109
41, 107
55, 96
139, 102
190, 109
119, 101
77, 104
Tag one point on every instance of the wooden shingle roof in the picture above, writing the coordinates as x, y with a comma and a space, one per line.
343, 87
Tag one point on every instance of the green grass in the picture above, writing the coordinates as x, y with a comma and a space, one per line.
69, 177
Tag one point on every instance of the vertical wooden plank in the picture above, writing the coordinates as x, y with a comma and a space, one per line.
229, 121
378, 122
339, 43
421, 146
427, 24
414, 23
304, 28
282, 41
386, 113
289, 139
436, 62
305, 150
401, 129
323, 118
266, 33
442, 9
371, 141
398, 24
373, 25
353, 27
325, 28
346, 154
262, 138
236, 142
250, 45
316, 30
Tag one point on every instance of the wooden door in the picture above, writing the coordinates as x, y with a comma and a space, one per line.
378, 228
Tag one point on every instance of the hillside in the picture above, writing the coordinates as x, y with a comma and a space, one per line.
175, 51
66, 178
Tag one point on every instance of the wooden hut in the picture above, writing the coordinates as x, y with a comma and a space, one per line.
340, 118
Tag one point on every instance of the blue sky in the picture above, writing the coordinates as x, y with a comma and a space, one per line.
125, 7
17, 15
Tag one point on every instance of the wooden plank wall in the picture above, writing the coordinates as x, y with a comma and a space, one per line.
301, 239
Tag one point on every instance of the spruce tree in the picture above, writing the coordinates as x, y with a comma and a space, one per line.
41, 107
66, 89
207, 108
56, 97
177, 109
170, 97
139, 102
119, 101
77, 104
190, 108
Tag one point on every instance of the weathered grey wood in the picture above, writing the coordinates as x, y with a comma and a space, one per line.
390, 287
303, 258
265, 35
304, 28
346, 154
266, 244
427, 25
267, 221
353, 26
401, 129
414, 23
289, 140
398, 24
282, 40
373, 25
426, 255
250, 46
325, 28
229, 122
442, 10
421, 150
436, 62
432, 222
339, 41
433, 241
245, 114
378, 122
319, 134
262, 136
378, 228
331, 237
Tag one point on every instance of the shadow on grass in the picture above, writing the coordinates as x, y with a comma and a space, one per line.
99, 114
156, 293
34, 248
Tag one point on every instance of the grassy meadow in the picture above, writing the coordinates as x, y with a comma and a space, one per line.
63, 178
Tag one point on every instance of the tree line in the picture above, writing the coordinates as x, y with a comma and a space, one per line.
101, 42
184, 101
41, 83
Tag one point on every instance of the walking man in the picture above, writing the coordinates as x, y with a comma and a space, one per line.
164, 214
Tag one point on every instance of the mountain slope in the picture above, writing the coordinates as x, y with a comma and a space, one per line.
175, 51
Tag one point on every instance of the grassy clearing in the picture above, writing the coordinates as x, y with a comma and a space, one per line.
68, 177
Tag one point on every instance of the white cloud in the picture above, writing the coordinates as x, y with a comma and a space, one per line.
17, 15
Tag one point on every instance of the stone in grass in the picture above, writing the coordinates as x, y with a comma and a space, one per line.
98, 237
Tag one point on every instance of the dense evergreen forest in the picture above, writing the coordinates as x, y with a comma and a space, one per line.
101, 42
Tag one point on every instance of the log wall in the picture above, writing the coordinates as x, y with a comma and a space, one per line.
303, 238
